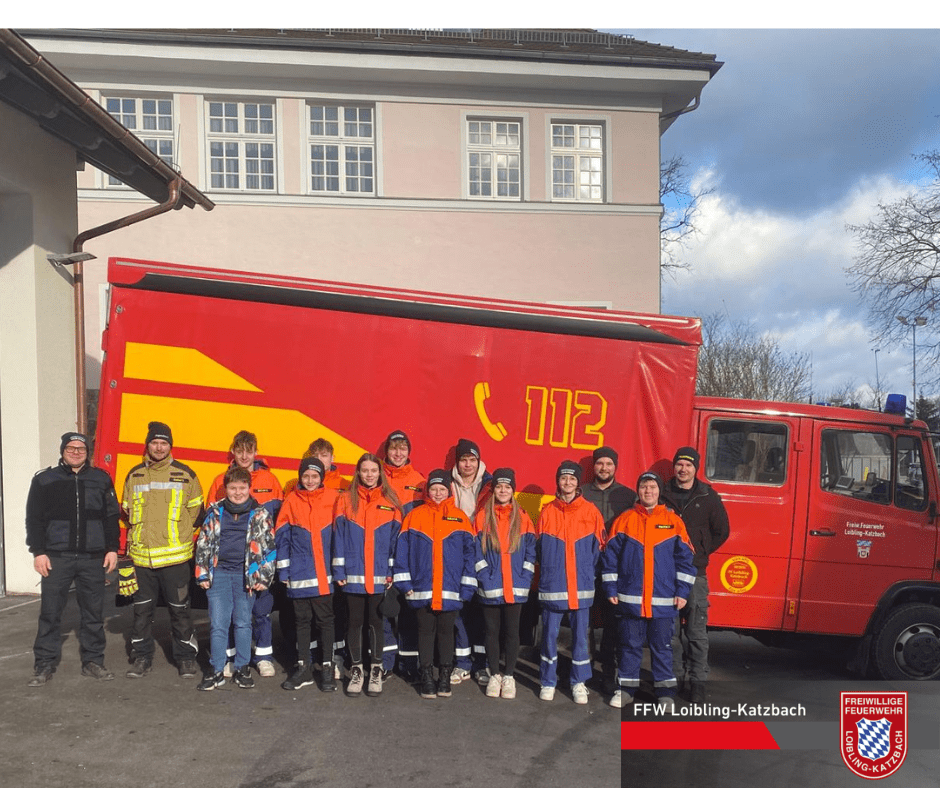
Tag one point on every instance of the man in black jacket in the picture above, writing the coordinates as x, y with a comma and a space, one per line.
72, 530
611, 498
706, 520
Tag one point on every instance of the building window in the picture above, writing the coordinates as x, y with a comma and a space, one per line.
242, 146
341, 140
151, 120
578, 162
494, 150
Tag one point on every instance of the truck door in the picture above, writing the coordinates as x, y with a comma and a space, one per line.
752, 462
868, 524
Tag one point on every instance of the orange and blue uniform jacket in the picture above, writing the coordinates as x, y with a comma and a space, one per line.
505, 578
304, 539
435, 556
265, 488
648, 563
570, 537
333, 479
408, 485
364, 542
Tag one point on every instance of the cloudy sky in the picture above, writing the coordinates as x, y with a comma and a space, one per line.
800, 133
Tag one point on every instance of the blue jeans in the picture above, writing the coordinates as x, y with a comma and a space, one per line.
229, 604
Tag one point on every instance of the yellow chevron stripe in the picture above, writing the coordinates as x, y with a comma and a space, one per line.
186, 365
198, 424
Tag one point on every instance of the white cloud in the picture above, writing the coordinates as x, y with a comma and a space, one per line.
785, 274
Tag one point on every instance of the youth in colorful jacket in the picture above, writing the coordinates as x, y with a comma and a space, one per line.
503, 577
304, 539
648, 563
260, 552
364, 542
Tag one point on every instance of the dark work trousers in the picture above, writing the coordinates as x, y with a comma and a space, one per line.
407, 639
87, 572
437, 623
364, 609
508, 616
306, 610
690, 639
173, 583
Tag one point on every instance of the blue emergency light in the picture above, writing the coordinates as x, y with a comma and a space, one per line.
897, 404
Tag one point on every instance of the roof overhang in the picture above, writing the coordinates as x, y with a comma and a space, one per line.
32, 85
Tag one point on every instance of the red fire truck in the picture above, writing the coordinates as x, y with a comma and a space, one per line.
833, 510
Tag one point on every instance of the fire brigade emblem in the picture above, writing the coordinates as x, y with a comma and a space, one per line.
874, 732
864, 547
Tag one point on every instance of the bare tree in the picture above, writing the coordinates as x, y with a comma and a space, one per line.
681, 204
735, 361
844, 394
897, 267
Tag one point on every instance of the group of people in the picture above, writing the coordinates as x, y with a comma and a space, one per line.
437, 566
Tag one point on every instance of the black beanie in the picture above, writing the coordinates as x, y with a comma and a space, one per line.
72, 436
505, 476
650, 476
466, 446
397, 435
687, 453
438, 476
157, 430
311, 463
568, 466
606, 451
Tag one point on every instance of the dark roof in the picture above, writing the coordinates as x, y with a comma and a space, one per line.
32, 85
573, 45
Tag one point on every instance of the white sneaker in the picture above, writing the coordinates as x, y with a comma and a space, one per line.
493, 686
667, 704
547, 693
229, 670
508, 690
266, 668
580, 693
617, 700
458, 675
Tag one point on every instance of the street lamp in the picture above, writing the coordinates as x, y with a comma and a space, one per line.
877, 379
913, 323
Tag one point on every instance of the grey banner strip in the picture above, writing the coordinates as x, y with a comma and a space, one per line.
825, 735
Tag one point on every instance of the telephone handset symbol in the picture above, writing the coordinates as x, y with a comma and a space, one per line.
481, 393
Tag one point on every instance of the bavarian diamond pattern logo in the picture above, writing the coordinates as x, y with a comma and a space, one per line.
874, 738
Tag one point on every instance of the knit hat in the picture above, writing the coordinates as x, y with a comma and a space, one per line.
505, 476
466, 446
650, 476
157, 430
438, 476
568, 467
397, 435
605, 451
689, 454
72, 436
311, 464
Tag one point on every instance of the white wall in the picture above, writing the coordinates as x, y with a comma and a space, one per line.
37, 367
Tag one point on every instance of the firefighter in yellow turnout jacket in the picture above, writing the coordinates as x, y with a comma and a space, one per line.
162, 502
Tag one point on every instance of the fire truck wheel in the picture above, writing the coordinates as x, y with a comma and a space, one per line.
907, 648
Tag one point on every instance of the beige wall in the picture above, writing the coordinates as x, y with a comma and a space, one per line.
37, 369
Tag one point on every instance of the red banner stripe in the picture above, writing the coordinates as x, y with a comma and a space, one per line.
696, 735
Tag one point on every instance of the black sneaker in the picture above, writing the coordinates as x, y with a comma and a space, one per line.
243, 678
96, 671
327, 678
697, 692
141, 667
443, 682
301, 677
41, 675
428, 687
210, 681
188, 668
